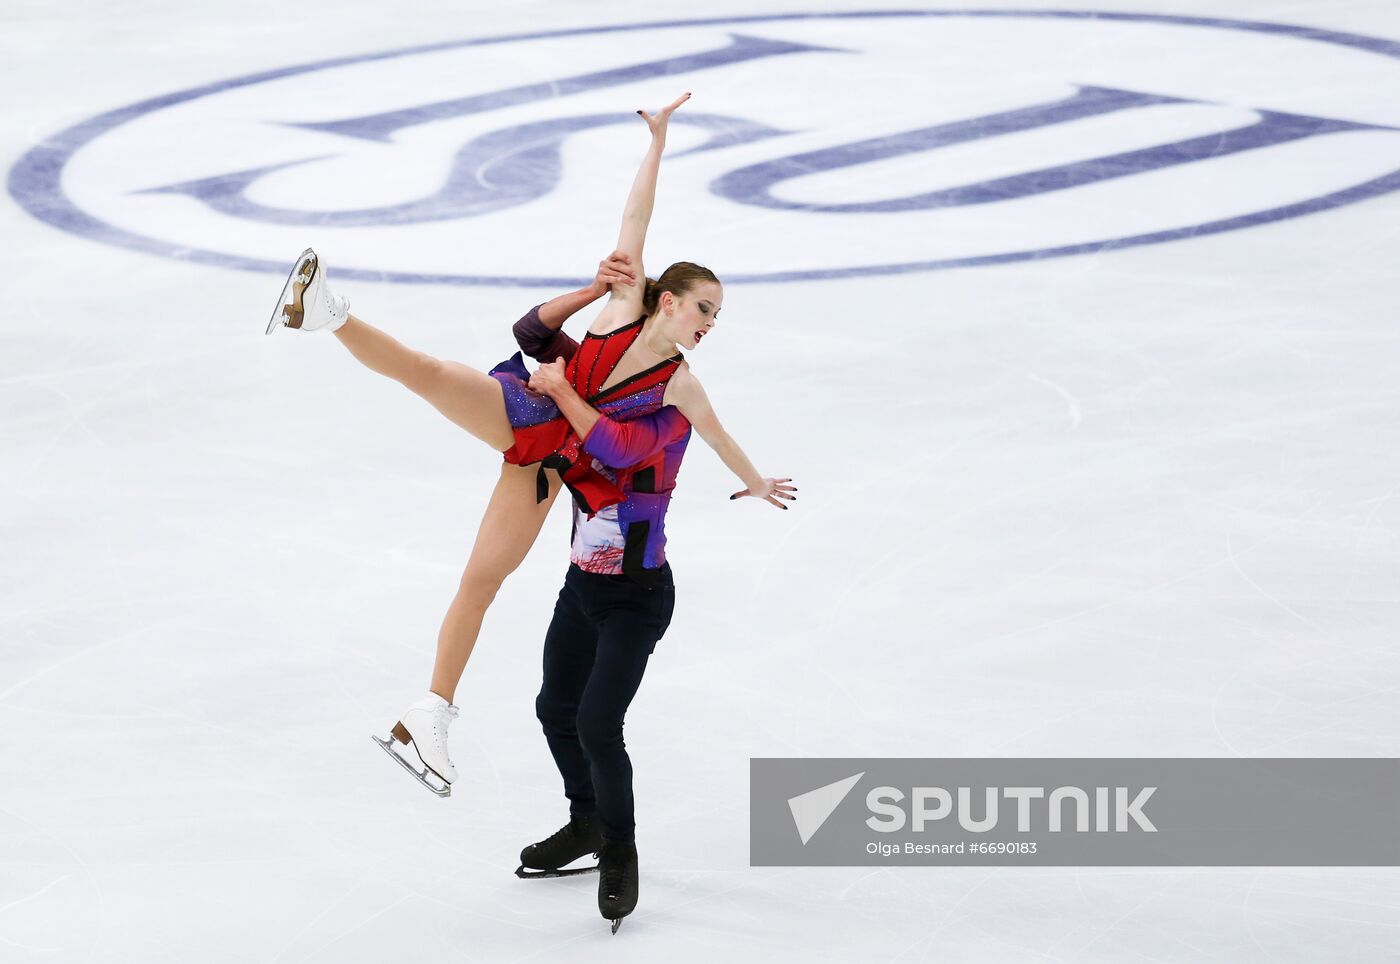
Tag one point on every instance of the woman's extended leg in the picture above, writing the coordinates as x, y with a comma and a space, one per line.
508, 530
470, 398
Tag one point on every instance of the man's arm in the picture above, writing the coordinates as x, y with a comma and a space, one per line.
621, 444
538, 333
618, 444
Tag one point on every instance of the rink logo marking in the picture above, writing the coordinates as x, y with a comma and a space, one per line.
754, 184
35, 181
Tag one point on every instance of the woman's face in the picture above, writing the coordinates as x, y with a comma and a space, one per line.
689, 317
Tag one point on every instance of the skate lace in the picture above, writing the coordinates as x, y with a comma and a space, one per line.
559, 836
443, 716
613, 876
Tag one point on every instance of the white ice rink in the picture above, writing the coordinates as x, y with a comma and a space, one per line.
1139, 500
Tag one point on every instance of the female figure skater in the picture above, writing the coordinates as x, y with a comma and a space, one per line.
532, 433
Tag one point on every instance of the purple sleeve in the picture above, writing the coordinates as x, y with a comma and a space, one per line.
541, 342
621, 444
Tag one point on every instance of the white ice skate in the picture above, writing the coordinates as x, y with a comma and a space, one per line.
307, 302
420, 737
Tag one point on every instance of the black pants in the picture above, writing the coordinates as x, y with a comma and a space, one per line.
596, 650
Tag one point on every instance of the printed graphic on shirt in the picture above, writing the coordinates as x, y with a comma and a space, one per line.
598, 542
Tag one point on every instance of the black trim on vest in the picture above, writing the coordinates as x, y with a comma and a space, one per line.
673, 360
645, 480
580, 500
606, 334
556, 462
588, 379
634, 555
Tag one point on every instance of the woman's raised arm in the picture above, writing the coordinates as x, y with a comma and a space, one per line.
636, 216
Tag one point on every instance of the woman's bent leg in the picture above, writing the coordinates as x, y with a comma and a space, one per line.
508, 530
470, 398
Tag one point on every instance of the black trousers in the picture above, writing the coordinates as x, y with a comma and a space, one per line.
595, 652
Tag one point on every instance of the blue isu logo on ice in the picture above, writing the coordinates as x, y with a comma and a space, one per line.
819, 145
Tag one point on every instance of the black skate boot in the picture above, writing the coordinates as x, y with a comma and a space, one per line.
581, 835
617, 881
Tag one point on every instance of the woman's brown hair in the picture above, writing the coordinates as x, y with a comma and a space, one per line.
678, 279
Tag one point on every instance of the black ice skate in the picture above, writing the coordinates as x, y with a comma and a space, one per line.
581, 835
617, 881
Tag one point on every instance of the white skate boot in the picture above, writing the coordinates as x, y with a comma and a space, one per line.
423, 730
307, 302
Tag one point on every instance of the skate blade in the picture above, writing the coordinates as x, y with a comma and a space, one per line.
422, 777
616, 924
290, 310
524, 874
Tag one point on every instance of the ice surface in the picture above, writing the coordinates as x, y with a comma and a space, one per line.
1135, 502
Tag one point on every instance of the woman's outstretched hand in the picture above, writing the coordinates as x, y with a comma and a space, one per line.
616, 268
771, 491
658, 121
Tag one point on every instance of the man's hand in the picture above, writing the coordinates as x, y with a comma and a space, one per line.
550, 380
616, 268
